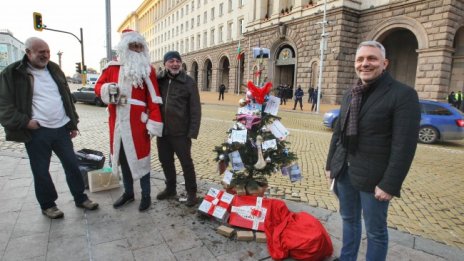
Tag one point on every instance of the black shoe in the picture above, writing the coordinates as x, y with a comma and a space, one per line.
123, 200
166, 193
145, 203
192, 199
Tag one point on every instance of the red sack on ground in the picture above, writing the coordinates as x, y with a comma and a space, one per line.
296, 235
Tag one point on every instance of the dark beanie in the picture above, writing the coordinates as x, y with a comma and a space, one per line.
170, 55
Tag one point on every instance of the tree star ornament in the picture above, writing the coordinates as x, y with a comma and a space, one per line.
259, 93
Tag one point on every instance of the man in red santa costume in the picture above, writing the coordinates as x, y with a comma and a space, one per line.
130, 89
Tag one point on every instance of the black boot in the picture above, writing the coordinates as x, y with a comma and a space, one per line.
145, 203
192, 199
166, 193
125, 198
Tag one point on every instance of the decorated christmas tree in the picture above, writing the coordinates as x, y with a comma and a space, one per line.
256, 146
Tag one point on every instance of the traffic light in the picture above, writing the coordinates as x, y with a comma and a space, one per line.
84, 69
38, 25
78, 68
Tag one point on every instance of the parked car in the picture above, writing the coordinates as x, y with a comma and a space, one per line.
86, 94
439, 122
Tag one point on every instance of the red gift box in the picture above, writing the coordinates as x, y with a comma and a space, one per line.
249, 212
216, 203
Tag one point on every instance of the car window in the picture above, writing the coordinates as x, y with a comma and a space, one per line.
433, 109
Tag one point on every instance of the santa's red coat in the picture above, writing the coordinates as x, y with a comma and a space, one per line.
132, 124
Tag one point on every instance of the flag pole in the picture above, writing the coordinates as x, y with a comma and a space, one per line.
238, 67
248, 58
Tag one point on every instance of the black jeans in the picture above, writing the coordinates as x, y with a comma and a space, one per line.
221, 96
181, 146
44, 141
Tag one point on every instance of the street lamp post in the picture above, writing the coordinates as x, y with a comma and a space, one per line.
323, 46
59, 57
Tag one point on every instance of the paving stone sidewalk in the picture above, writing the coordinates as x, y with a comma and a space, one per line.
167, 231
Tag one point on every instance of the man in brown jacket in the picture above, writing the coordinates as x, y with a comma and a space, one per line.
181, 113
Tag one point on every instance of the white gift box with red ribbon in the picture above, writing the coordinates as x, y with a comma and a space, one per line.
216, 203
249, 212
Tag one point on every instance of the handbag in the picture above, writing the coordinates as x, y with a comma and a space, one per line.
102, 179
90, 159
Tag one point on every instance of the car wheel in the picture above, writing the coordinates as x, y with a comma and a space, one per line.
333, 123
98, 102
428, 134
73, 98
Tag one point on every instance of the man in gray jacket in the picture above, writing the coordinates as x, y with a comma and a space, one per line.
36, 108
181, 114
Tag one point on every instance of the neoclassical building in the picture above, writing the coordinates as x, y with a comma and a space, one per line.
424, 40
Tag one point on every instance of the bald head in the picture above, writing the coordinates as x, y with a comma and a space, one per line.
38, 52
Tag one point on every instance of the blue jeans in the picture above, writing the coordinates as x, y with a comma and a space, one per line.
127, 177
353, 203
43, 142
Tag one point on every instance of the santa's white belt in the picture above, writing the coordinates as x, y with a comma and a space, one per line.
136, 102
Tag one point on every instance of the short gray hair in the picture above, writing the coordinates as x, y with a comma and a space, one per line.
374, 44
30, 42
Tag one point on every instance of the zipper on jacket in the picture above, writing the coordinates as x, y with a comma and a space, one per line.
167, 98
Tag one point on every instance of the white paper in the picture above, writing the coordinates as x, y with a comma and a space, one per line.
227, 177
236, 159
272, 105
278, 130
269, 144
239, 136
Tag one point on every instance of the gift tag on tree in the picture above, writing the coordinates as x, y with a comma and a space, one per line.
239, 136
278, 129
294, 172
227, 177
236, 160
272, 105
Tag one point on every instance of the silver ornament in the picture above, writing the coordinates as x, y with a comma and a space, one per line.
268, 159
221, 157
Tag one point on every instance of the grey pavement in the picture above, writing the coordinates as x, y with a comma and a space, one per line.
167, 231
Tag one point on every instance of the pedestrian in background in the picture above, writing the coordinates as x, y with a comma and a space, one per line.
452, 99
130, 89
310, 94
36, 108
298, 97
181, 110
371, 150
222, 89
314, 99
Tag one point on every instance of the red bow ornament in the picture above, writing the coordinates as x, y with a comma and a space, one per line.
259, 93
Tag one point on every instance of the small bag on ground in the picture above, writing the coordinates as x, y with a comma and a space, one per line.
90, 159
102, 179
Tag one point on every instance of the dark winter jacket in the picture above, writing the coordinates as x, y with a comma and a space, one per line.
388, 126
181, 108
16, 91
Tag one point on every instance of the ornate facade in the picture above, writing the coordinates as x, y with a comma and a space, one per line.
424, 40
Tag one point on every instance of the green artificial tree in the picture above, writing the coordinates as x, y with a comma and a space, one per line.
252, 176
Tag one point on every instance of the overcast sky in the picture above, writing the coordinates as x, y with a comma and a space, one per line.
65, 15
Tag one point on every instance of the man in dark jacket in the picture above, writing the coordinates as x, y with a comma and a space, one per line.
181, 114
298, 97
371, 150
36, 108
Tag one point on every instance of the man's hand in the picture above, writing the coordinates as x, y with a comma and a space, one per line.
381, 195
33, 125
73, 134
327, 175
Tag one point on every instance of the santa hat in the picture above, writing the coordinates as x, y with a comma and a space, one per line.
131, 36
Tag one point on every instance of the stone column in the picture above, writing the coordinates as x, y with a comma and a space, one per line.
434, 72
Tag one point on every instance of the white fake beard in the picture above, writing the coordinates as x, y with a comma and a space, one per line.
136, 67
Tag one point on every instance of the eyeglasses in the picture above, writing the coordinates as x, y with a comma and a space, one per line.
135, 45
